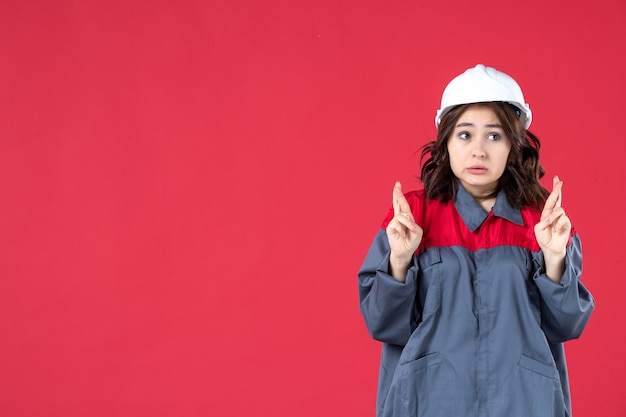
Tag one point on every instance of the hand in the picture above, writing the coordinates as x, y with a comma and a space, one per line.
403, 233
553, 232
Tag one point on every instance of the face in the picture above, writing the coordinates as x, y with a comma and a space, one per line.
478, 149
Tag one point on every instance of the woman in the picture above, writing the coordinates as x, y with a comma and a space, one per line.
473, 283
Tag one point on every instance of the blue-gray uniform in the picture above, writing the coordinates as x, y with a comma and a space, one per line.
478, 328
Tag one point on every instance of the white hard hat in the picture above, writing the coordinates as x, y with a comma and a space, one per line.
482, 84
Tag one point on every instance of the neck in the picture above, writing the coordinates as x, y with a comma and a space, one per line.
486, 203
486, 198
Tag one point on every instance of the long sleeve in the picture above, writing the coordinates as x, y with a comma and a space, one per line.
467, 330
387, 305
566, 306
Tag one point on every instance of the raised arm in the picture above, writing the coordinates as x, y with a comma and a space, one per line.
388, 276
566, 303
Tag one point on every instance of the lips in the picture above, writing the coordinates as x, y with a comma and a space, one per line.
477, 169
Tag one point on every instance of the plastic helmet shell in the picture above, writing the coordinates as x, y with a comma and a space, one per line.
479, 85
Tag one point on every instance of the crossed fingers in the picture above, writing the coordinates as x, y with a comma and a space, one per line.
402, 209
553, 213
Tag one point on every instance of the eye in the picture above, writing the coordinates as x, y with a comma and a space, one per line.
493, 137
464, 135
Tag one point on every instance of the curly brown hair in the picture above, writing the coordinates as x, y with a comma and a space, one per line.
520, 180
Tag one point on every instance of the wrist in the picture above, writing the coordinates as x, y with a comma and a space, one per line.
398, 267
554, 264
551, 258
400, 261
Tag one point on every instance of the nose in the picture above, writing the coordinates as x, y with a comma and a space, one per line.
478, 151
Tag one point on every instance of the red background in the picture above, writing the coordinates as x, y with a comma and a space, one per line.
189, 188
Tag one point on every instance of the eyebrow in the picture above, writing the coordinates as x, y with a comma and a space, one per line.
490, 125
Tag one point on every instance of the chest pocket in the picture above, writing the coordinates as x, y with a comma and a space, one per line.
429, 281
